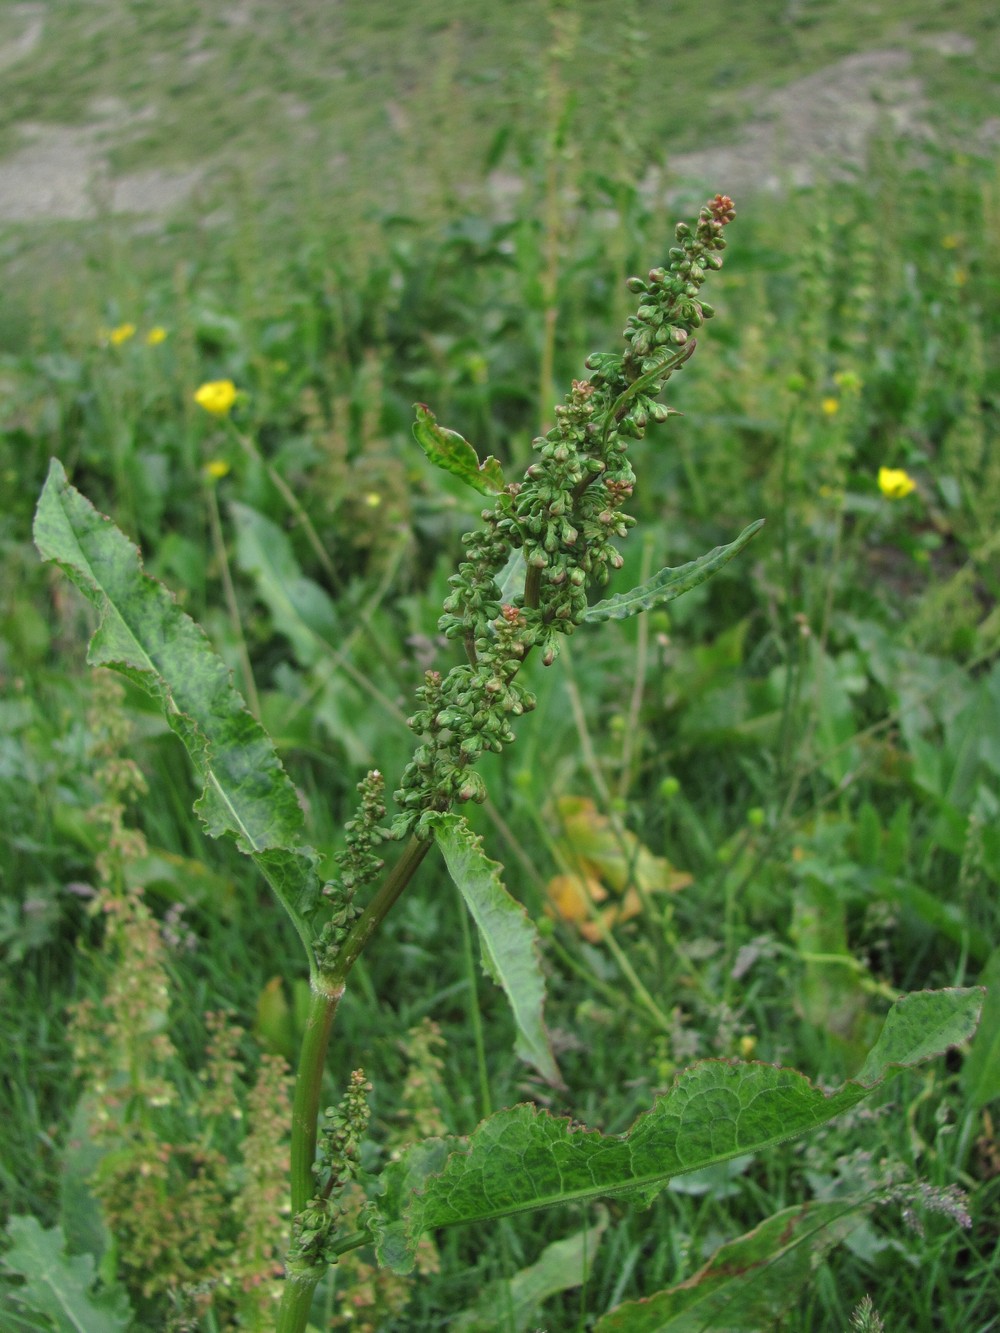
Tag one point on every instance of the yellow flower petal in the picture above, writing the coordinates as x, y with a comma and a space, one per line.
830, 406
121, 334
216, 396
218, 467
895, 483
156, 335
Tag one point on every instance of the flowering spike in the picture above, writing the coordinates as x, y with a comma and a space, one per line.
564, 519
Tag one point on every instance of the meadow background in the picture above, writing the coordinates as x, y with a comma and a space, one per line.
345, 208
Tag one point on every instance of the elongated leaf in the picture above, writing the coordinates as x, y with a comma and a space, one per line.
749, 1283
561, 1266
670, 583
452, 452
508, 939
59, 1285
523, 1158
300, 608
145, 635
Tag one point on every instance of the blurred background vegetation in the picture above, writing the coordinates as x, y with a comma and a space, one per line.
344, 208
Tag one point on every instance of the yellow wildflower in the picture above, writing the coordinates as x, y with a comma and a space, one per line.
121, 334
156, 335
372, 499
217, 468
217, 397
895, 483
830, 406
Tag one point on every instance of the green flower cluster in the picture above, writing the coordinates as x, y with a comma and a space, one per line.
336, 1165
563, 519
359, 864
464, 714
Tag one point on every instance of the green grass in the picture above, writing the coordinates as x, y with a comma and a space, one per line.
812, 736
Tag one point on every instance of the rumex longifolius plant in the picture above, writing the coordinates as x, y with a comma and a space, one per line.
524, 584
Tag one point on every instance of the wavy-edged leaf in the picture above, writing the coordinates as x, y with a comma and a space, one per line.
145, 635
507, 936
522, 1158
61, 1286
670, 583
750, 1282
453, 452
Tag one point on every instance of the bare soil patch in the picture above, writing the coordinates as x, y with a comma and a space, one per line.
815, 126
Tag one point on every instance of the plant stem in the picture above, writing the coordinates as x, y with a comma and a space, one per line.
327, 989
371, 918
296, 1301
296, 1298
308, 1088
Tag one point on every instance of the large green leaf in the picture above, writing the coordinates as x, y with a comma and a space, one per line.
523, 1158
507, 936
60, 1286
749, 1283
669, 583
145, 635
452, 452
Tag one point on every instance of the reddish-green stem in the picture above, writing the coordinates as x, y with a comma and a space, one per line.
308, 1089
373, 915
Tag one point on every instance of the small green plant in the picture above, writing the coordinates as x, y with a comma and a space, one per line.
523, 586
